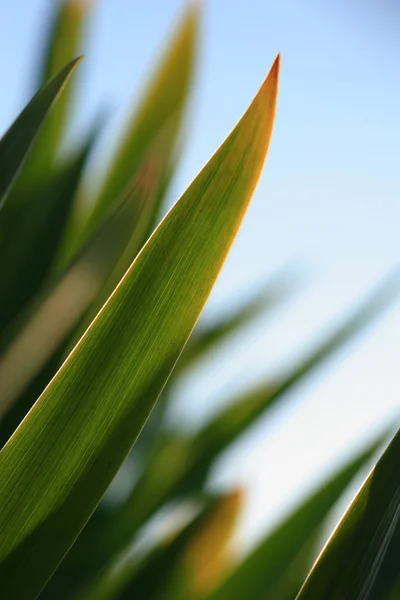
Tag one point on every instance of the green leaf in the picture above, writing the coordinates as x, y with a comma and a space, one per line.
64, 42
16, 142
205, 338
162, 108
30, 231
58, 464
352, 563
187, 563
267, 569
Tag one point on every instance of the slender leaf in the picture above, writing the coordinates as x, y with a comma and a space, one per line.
163, 105
351, 566
266, 571
16, 142
58, 464
205, 338
187, 563
64, 42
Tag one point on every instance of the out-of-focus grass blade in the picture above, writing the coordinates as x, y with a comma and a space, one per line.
267, 569
53, 319
184, 567
16, 142
64, 42
30, 233
205, 338
13, 410
350, 566
146, 181
59, 462
163, 104
180, 465
205, 558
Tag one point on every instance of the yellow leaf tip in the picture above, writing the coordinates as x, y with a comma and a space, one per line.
270, 82
274, 70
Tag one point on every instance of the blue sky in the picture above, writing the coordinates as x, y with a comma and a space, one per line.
328, 200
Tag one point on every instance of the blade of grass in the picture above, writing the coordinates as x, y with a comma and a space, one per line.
16, 142
207, 337
163, 104
351, 564
188, 562
58, 464
267, 567
64, 42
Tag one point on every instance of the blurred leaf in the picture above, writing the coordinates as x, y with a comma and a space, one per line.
205, 338
30, 232
205, 559
59, 462
147, 181
351, 564
183, 567
16, 142
266, 571
64, 42
14, 410
163, 106
51, 325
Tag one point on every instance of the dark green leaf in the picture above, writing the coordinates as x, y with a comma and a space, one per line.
49, 325
16, 142
267, 569
30, 232
352, 564
186, 564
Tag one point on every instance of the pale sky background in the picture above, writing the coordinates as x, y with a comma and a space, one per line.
328, 200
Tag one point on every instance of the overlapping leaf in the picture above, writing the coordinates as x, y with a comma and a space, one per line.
64, 42
16, 142
63, 309
31, 232
187, 564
